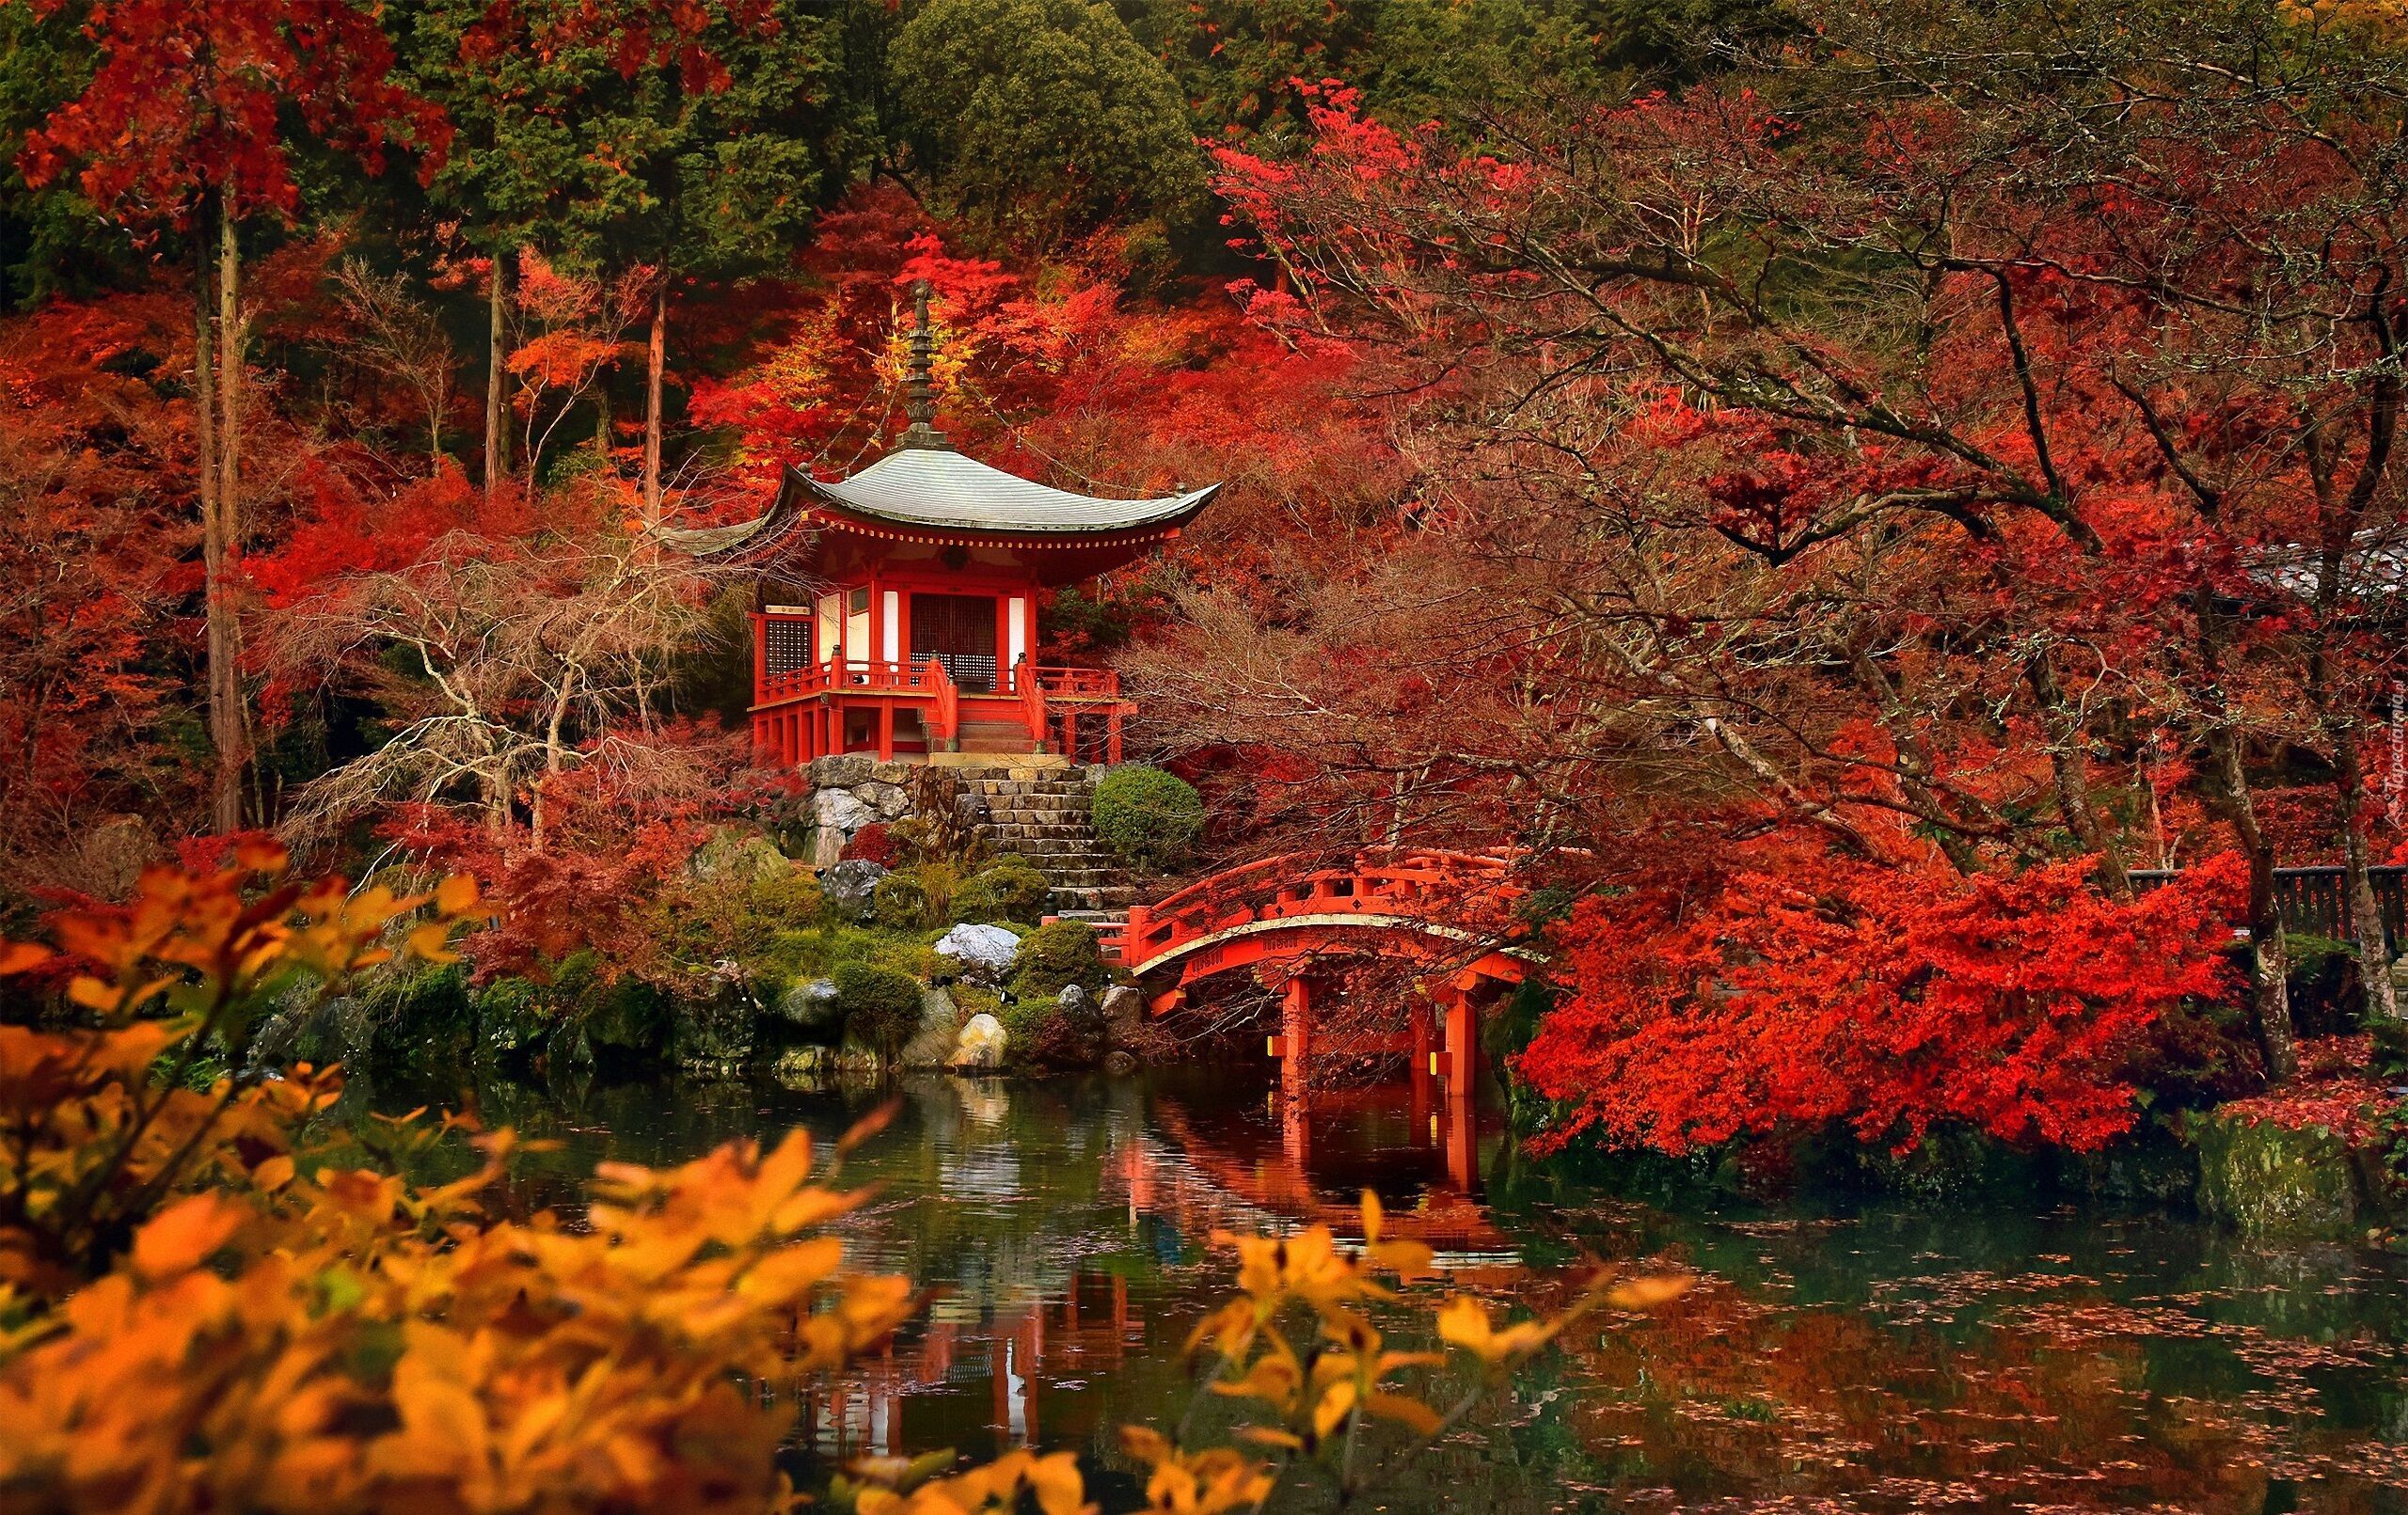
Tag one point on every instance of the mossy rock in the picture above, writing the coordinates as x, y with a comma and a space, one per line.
1007, 890
2264, 1179
514, 1021
714, 1035
882, 1007
1056, 955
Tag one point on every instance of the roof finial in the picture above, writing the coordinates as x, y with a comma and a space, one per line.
919, 390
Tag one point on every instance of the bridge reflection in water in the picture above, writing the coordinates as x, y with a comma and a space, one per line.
1019, 1329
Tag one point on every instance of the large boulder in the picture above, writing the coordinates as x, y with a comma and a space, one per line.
934, 1044
840, 809
735, 856
2264, 1179
979, 1049
712, 1036
851, 888
1124, 1013
810, 1005
843, 770
804, 1067
983, 952
886, 801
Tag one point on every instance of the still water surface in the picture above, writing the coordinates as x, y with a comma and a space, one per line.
1999, 1359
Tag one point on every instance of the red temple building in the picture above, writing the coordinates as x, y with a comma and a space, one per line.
897, 609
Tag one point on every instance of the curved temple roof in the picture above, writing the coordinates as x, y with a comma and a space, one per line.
935, 490
932, 488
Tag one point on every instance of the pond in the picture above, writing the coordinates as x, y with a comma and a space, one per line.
2024, 1358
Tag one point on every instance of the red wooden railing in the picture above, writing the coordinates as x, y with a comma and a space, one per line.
855, 676
1080, 682
1410, 884
1031, 684
945, 720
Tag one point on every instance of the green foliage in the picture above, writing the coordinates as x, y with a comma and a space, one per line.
714, 168
1045, 115
1055, 956
1007, 890
901, 902
1025, 1023
1149, 818
421, 1019
2324, 985
514, 1019
882, 1006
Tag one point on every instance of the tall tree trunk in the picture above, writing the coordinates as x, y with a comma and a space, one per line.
225, 734
2269, 954
2069, 768
496, 415
656, 358
233, 758
2366, 930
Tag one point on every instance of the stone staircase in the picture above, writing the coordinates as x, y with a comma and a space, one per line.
1046, 816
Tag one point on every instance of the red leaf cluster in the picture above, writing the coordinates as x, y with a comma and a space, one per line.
1889, 999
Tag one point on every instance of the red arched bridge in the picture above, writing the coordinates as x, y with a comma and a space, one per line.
1289, 922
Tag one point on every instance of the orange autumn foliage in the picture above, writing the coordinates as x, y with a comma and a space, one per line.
206, 1303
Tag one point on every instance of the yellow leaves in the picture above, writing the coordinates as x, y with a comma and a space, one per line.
22, 958
1053, 1481
1202, 1483
1463, 1322
1647, 1292
1408, 1411
1333, 1407
1275, 1378
455, 896
431, 941
184, 1235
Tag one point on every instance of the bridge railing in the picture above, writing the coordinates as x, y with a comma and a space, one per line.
2315, 900
1412, 884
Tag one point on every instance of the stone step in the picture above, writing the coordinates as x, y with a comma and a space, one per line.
1053, 846
1078, 898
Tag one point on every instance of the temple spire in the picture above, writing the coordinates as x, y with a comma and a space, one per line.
919, 389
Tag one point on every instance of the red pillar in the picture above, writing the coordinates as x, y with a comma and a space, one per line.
1462, 1092
1418, 1013
1295, 1031
1111, 737
1463, 1040
760, 656
886, 733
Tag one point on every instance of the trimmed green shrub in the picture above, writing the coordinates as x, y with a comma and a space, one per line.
1057, 953
791, 899
899, 903
882, 1006
1147, 818
1007, 890
1025, 1022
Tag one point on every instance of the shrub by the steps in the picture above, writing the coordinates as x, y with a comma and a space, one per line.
882, 1006
1147, 818
1007, 890
1057, 953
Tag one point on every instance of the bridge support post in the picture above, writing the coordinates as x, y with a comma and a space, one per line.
1418, 1014
1462, 1089
1295, 1033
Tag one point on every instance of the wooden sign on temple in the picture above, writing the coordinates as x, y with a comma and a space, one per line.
896, 610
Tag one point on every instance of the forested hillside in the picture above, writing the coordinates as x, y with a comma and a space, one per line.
1858, 492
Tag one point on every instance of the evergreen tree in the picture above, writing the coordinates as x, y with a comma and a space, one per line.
1045, 116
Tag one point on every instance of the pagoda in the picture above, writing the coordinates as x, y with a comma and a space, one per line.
895, 610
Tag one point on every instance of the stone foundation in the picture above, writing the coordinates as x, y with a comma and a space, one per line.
1036, 808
